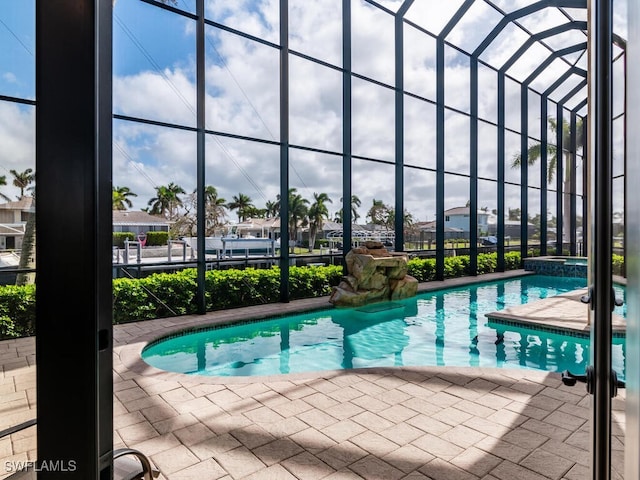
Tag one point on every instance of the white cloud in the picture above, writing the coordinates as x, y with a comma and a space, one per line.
17, 137
9, 77
243, 99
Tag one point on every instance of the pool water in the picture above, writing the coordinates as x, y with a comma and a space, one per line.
441, 328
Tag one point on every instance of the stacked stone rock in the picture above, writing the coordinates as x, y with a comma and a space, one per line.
374, 275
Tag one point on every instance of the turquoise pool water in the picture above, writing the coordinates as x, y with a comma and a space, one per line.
445, 328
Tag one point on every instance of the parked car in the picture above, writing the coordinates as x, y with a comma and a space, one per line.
489, 241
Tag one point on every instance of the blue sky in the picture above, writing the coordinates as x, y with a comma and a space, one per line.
17, 55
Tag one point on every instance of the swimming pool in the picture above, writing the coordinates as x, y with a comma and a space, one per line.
442, 328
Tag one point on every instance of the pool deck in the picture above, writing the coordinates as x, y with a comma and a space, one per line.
441, 423
563, 313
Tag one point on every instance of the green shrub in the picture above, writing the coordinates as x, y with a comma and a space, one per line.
487, 263
617, 264
155, 296
155, 239
17, 311
120, 237
512, 261
424, 269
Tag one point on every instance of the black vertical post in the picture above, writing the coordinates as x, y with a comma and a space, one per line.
501, 177
573, 155
439, 159
73, 155
601, 22
524, 171
346, 130
544, 163
473, 167
559, 179
200, 159
284, 151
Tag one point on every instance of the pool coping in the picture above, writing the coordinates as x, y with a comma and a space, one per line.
129, 348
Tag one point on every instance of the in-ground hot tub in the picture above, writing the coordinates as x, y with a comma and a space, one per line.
557, 266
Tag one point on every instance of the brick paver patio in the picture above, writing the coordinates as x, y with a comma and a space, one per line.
440, 423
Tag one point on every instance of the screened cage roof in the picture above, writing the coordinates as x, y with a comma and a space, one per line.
533, 42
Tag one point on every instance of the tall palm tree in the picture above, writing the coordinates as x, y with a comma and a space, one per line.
214, 208
534, 153
272, 208
407, 219
297, 212
120, 198
355, 203
28, 249
3, 182
318, 211
22, 180
167, 200
241, 203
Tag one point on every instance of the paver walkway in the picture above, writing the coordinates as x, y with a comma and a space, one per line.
381, 424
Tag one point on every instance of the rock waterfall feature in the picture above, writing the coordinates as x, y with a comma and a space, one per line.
374, 275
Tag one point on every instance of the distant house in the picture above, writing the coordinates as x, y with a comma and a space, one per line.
257, 227
13, 219
428, 231
138, 222
511, 228
458, 219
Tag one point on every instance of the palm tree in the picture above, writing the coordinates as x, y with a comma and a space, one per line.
28, 249
355, 203
378, 212
214, 208
241, 203
3, 182
272, 208
166, 200
22, 180
297, 213
120, 198
317, 213
534, 153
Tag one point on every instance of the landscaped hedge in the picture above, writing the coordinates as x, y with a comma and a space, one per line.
424, 269
17, 311
155, 239
168, 294
120, 237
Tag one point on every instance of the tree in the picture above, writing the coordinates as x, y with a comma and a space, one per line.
297, 213
22, 180
166, 201
3, 182
317, 213
214, 206
534, 153
28, 249
514, 214
120, 198
355, 203
272, 209
378, 213
407, 219
241, 203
